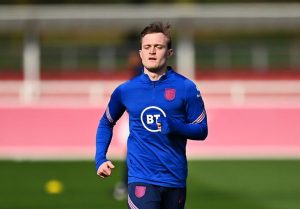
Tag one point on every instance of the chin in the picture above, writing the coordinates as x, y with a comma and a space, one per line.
152, 69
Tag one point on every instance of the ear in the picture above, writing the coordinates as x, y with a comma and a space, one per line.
140, 52
170, 52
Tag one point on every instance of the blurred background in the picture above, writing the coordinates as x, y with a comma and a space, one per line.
61, 60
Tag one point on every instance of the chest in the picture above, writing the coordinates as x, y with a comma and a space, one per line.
156, 99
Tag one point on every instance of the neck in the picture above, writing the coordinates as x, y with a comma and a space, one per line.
155, 75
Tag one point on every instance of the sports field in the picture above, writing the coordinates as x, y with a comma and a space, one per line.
212, 184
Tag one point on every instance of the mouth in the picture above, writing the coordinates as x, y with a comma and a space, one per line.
152, 58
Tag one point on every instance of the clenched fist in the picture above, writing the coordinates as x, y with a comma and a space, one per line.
105, 169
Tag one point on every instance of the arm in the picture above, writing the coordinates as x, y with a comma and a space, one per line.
194, 131
195, 125
113, 112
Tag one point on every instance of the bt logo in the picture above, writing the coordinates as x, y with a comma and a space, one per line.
149, 117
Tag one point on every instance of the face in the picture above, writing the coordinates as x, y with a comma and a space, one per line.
154, 51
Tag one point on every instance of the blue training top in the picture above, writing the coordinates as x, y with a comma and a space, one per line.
155, 156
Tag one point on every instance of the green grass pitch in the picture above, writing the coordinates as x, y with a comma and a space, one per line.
212, 184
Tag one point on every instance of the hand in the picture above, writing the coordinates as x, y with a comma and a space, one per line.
163, 125
105, 169
159, 125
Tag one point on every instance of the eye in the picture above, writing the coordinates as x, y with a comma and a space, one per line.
159, 46
146, 47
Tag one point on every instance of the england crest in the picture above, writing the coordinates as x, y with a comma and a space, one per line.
140, 191
170, 94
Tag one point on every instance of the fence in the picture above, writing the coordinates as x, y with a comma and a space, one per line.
187, 19
58, 119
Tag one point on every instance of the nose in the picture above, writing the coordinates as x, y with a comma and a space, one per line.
152, 50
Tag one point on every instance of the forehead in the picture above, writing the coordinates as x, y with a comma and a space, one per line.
154, 38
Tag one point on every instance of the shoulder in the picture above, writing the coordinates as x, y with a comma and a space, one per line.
186, 82
189, 87
128, 84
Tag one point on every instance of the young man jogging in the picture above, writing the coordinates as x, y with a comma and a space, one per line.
165, 110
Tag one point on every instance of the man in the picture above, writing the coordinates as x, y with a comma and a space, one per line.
165, 109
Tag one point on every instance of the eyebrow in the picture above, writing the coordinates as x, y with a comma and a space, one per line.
154, 45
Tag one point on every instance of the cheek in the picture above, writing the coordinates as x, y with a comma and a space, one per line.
163, 56
142, 55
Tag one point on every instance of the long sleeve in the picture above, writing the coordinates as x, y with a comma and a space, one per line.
195, 131
195, 125
103, 139
104, 134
